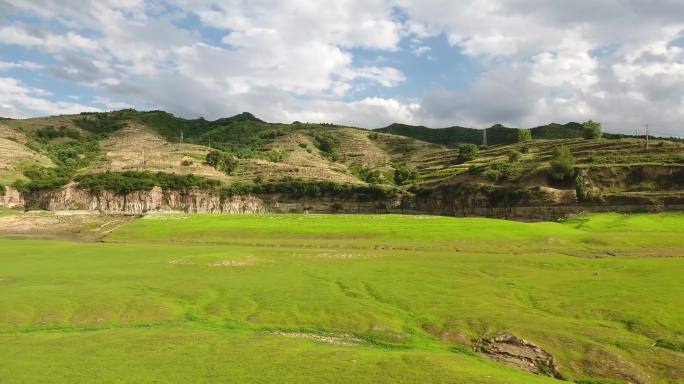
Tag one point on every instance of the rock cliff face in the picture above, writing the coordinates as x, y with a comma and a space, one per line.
71, 197
534, 204
11, 198
156, 200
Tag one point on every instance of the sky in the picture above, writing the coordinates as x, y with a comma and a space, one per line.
365, 63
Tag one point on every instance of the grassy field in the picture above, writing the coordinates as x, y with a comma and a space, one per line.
309, 298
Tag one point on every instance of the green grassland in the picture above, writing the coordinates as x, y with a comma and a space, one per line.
348, 299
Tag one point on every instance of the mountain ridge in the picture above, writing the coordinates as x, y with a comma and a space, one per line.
127, 151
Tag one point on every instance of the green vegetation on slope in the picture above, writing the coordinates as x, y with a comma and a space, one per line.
68, 150
496, 134
132, 181
308, 298
247, 151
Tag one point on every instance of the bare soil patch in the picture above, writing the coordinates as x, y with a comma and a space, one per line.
344, 339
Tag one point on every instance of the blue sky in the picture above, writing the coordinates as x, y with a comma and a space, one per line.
366, 63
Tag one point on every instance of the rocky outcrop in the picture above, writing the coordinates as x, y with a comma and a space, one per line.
71, 197
521, 354
536, 203
533, 204
11, 198
156, 200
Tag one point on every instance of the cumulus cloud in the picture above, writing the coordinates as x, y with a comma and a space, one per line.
6, 65
17, 101
537, 61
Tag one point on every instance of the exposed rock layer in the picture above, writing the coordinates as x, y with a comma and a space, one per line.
520, 353
540, 203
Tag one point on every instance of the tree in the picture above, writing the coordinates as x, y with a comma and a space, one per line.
591, 130
403, 174
524, 135
222, 161
562, 163
230, 164
467, 152
213, 158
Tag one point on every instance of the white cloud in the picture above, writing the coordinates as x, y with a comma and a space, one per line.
286, 60
109, 104
420, 51
6, 65
18, 100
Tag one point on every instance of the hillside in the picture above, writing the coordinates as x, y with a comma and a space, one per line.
130, 151
496, 134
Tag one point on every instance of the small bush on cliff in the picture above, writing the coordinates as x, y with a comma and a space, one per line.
562, 163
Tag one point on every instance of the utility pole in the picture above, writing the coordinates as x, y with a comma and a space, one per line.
180, 145
484, 137
647, 134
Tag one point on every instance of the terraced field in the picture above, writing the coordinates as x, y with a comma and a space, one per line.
536, 154
315, 298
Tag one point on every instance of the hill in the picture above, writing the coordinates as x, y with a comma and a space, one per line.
496, 134
416, 168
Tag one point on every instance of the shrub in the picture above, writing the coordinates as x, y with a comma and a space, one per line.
50, 133
186, 163
524, 135
44, 179
327, 144
467, 152
369, 175
476, 169
591, 130
403, 174
73, 154
671, 345
102, 124
275, 156
562, 163
525, 149
514, 156
579, 188
222, 161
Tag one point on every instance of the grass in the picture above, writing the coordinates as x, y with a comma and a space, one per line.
196, 298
